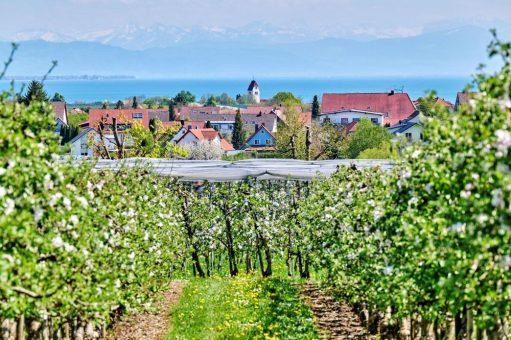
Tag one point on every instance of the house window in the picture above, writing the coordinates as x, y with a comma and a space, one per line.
231, 126
408, 135
374, 120
256, 142
137, 115
422, 137
344, 120
216, 126
268, 142
356, 119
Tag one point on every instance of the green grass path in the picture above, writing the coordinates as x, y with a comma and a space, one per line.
245, 307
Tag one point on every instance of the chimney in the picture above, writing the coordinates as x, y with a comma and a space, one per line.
182, 122
256, 127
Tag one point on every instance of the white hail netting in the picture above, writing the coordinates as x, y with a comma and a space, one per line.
225, 171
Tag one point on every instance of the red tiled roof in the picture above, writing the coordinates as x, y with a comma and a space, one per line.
226, 146
351, 127
444, 102
122, 115
210, 135
397, 106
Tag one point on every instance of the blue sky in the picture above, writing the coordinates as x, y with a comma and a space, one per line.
381, 18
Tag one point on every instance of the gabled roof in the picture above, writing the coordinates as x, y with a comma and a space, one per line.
354, 110
461, 98
253, 84
226, 146
208, 135
351, 127
269, 119
81, 134
403, 127
396, 106
60, 111
257, 131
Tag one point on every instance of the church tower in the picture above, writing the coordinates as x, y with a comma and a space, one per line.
253, 92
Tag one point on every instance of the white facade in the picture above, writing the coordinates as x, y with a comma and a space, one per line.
83, 145
254, 93
224, 127
179, 134
411, 129
189, 138
345, 117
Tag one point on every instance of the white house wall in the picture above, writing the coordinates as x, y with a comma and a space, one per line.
416, 132
336, 118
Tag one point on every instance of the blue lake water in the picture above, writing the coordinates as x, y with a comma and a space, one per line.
113, 90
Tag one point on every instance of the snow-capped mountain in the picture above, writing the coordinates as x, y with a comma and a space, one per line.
137, 37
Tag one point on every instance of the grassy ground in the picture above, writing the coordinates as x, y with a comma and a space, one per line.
241, 308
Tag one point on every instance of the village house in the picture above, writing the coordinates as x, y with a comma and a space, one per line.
461, 98
60, 109
125, 117
261, 140
185, 126
395, 107
410, 128
344, 117
210, 135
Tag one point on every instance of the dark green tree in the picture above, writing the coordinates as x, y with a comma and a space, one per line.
172, 111
105, 105
208, 125
68, 132
315, 108
286, 99
119, 105
35, 92
211, 101
135, 103
57, 97
238, 134
153, 125
184, 98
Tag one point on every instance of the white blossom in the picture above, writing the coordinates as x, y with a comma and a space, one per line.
497, 199
503, 140
505, 263
57, 242
131, 256
388, 270
465, 194
55, 198
38, 214
83, 201
3, 192
2, 171
74, 220
67, 202
429, 188
457, 227
9, 206
416, 154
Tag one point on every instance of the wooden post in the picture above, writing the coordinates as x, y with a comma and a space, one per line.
21, 328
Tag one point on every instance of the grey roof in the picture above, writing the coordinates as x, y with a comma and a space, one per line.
267, 119
224, 171
402, 127
162, 116
81, 134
